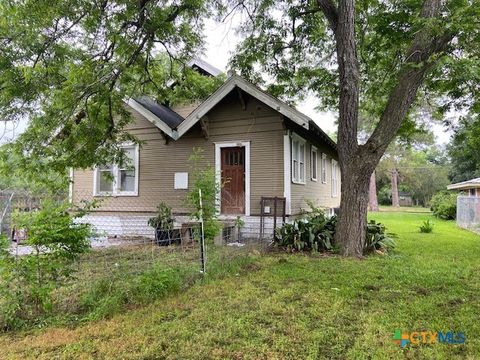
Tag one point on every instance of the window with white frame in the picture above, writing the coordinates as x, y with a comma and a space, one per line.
119, 179
334, 178
313, 163
324, 168
298, 160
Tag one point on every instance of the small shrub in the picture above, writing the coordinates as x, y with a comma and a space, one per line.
426, 227
204, 179
444, 205
377, 239
28, 281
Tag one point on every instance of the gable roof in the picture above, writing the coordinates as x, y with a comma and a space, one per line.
175, 126
249, 88
473, 183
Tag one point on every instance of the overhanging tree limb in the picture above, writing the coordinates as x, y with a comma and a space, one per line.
330, 11
420, 58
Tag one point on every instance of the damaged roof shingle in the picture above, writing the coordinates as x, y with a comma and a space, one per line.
168, 116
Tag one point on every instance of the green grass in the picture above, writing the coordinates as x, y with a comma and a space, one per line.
413, 209
282, 306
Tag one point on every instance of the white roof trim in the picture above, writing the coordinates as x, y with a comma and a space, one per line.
473, 183
212, 70
155, 120
224, 90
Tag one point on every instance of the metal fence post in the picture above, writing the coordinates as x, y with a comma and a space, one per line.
202, 236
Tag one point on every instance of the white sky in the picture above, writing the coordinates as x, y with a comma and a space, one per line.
221, 41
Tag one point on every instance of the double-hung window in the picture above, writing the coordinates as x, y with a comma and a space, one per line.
324, 168
313, 163
334, 179
119, 179
298, 160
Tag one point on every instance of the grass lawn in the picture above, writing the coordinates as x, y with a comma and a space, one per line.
413, 209
297, 307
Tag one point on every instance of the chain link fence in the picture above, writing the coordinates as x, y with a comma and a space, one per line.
123, 240
126, 253
468, 212
20, 200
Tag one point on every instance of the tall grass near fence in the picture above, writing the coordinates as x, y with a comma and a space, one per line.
110, 280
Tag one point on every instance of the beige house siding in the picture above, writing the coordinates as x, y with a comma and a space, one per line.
316, 191
186, 109
158, 161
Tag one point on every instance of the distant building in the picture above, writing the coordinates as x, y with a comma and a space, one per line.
405, 199
469, 187
468, 203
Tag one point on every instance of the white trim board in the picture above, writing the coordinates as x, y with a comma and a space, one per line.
287, 180
218, 171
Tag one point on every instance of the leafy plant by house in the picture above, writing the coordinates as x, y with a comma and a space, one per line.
312, 232
163, 220
444, 205
204, 179
239, 224
163, 224
315, 232
426, 227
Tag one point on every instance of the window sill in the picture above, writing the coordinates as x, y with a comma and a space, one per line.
298, 182
115, 195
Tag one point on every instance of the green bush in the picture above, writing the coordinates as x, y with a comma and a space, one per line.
444, 205
315, 232
57, 240
426, 227
204, 179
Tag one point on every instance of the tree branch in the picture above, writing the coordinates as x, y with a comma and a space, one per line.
330, 11
419, 60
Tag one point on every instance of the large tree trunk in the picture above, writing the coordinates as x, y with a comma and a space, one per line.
372, 193
394, 180
352, 219
357, 162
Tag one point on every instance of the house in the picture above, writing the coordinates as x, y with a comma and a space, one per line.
265, 147
468, 203
469, 187
405, 198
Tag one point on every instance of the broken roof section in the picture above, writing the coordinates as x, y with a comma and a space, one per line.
175, 126
164, 113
